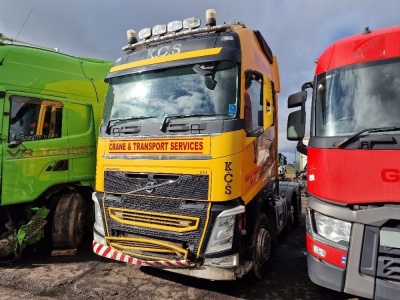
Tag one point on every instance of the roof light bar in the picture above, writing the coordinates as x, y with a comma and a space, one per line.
131, 35
160, 29
191, 23
145, 34
174, 26
211, 17
159, 32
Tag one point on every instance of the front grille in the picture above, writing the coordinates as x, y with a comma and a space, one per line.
379, 258
194, 187
166, 210
154, 220
389, 267
147, 249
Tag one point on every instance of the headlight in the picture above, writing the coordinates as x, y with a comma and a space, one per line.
222, 234
332, 229
98, 218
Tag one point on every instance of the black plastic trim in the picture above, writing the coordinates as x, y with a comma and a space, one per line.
386, 290
208, 127
369, 251
325, 275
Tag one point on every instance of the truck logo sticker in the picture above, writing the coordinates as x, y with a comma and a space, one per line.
164, 51
228, 178
390, 175
23, 152
193, 146
81, 150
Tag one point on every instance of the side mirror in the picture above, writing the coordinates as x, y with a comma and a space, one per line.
296, 126
297, 99
301, 147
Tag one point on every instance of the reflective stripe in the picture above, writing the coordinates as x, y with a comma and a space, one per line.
108, 252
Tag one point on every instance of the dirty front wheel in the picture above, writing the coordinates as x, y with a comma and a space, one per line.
262, 245
68, 222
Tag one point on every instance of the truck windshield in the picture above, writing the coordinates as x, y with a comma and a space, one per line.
207, 90
358, 97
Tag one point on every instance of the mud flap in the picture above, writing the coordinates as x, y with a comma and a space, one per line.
33, 231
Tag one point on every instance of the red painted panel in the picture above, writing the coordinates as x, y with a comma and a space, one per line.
379, 44
333, 255
354, 176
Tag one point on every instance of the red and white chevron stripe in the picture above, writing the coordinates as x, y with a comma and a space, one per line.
110, 253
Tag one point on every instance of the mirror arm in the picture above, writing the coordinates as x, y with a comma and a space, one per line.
301, 147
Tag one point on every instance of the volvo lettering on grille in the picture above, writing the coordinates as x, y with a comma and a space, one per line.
150, 186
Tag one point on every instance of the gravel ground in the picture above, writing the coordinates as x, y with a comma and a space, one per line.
37, 275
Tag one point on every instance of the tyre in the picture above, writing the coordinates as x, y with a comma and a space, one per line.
291, 220
69, 221
296, 212
262, 245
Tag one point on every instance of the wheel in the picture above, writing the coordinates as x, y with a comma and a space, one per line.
296, 211
291, 219
69, 221
262, 246
291, 215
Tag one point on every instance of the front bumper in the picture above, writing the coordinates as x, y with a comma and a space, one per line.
108, 252
183, 267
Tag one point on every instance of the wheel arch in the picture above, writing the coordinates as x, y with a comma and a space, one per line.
262, 203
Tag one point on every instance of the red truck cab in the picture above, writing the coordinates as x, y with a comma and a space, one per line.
353, 175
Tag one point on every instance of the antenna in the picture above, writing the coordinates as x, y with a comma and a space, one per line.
4, 38
23, 25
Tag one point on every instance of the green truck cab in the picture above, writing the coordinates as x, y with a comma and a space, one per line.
50, 107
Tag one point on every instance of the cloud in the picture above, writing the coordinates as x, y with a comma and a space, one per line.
297, 31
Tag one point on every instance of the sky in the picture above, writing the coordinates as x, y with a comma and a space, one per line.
297, 31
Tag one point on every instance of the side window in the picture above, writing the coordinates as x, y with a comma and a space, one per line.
252, 96
34, 119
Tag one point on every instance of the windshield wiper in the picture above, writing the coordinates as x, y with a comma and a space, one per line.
346, 141
167, 118
118, 120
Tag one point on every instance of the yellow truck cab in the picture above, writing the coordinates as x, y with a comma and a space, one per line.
187, 153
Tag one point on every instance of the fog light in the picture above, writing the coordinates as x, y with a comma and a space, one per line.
223, 262
319, 251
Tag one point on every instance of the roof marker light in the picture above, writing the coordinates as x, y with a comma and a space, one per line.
174, 26
160, 29
144, 34
367, 30
211, 17
191, 23
131, 35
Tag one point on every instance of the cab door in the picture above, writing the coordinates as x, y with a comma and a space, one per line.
35, 152
3, 133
